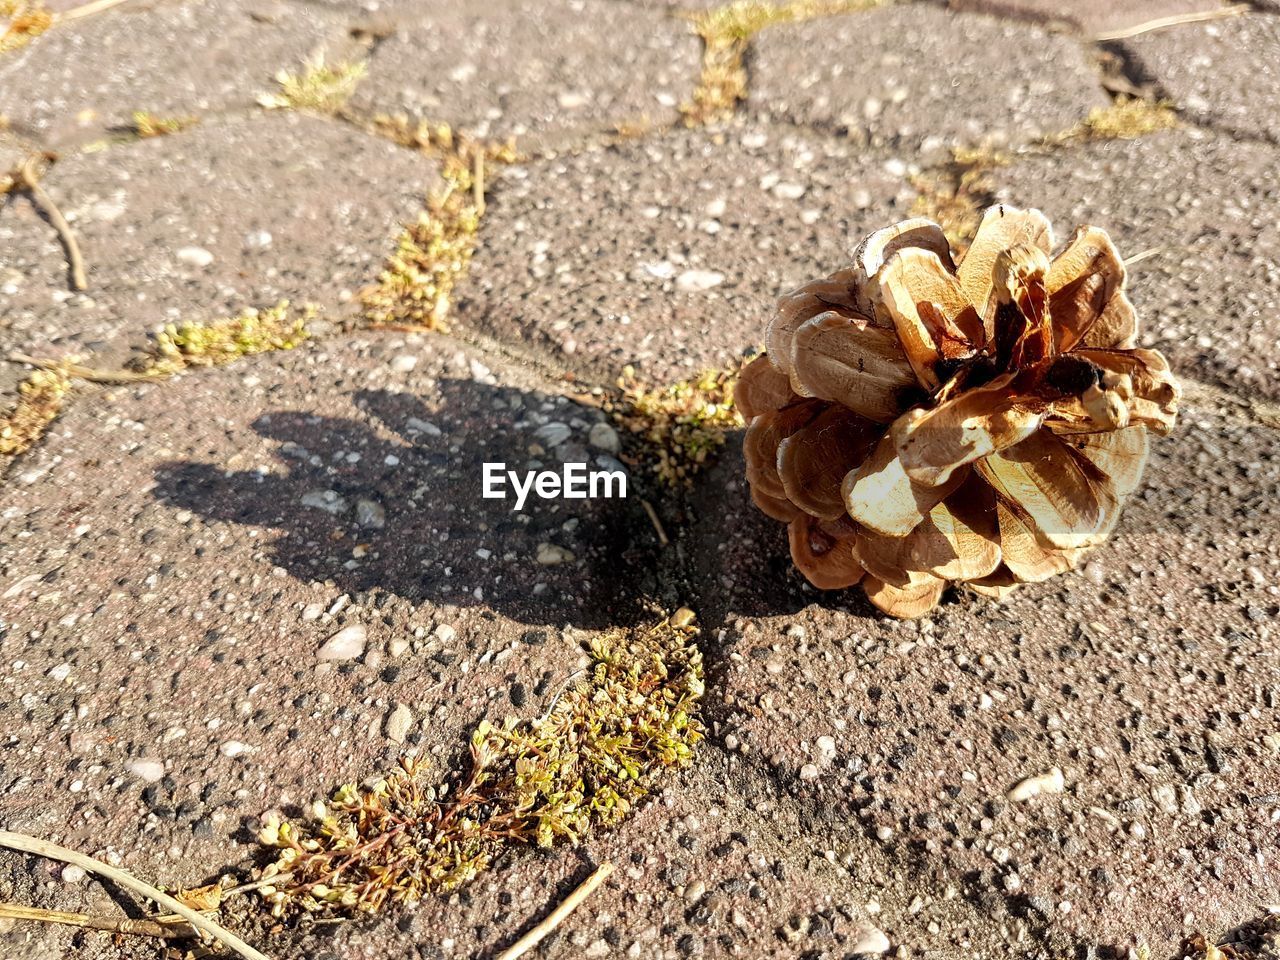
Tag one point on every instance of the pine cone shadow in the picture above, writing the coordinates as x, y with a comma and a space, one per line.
742, 558
392, 499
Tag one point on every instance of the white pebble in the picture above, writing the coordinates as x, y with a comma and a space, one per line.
148, 771
196, 256
346, 644
1044, 783
696, 281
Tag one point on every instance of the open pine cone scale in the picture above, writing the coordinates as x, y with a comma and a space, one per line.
917, 423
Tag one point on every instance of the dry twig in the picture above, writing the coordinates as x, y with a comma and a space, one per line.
663, 539
84, 10
27, 178
145, 928
1161, 22
558, 915
43, 848
90, 374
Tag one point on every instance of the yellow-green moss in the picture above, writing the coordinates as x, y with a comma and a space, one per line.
416, 284
726, 32
583, 764
147, 125
317, 86
194, 344
40, 399
955, 194
25, 19
679, 428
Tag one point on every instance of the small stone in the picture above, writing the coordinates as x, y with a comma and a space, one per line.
827, 745
445, 633
397, 646
789, 191
1044, 783
809, 772
369, 514
234, 748
196, 256
604, 437
869, 940
327, 500
398, 723
696, 281
404, 363
346, 644
73, 874
1166, 797
551, 555
552, 434
425, 427
599, 948
148, 771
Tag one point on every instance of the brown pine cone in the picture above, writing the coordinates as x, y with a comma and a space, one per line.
917, 423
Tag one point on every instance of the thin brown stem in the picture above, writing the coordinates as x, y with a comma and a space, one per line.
558, 915
85, 10
29, 180
1160, 23
85, 373
145, 928
43, 848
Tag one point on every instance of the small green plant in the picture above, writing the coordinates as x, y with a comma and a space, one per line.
726, 32
190, 344
583, 764
433, 254
147, 125
682, 426
40, 399
318, 86
1125, 118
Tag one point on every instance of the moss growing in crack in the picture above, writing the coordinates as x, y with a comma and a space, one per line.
583, 765
416, 285
954, 194
147, 125
317, 86
192, 344
22, 20
40, 399
726, 31
681, 427
1126, 118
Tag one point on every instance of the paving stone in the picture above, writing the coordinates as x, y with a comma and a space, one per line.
1223, 74
286, 205
166, 590
172, 59
922, 78
669, 252
1090, 17
1145, 675
1210, 296
543, 73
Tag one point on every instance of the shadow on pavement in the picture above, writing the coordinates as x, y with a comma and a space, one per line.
393, 500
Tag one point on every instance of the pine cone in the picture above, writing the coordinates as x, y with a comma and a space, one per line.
916, 424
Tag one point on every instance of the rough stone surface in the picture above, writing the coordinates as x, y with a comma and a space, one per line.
537, 72
173, 59
282, 205
920, 78
597, 244
1224, 73
1146, 670
176, 556
1090, 17
1208, 208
